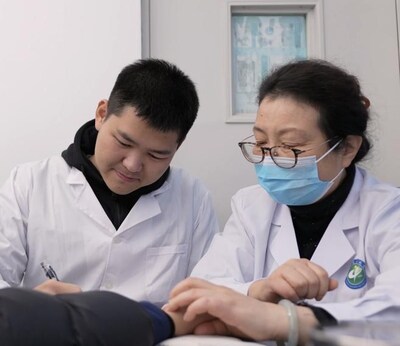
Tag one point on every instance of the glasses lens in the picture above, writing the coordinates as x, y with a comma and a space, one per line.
283, 157
252, 152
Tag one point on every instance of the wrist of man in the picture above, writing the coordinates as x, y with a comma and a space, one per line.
163, 324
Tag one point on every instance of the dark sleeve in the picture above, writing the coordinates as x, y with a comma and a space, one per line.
103, 318
163, 326
324, 317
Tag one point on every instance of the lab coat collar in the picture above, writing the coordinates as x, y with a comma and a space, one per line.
145, 208
334, 249
87, 201
283, 238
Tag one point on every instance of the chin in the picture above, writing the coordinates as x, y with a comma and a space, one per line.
124, 191
119, 190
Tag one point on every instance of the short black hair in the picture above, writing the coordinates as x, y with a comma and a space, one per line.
332, 91
160, 92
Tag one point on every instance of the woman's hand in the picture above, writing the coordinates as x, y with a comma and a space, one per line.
219, 310
213, 309
297, 279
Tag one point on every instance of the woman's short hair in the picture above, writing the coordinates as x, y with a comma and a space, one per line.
332, 91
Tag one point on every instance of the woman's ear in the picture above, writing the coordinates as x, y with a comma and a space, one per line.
350, 148
101, 113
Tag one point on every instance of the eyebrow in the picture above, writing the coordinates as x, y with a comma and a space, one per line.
155, 151
285, 130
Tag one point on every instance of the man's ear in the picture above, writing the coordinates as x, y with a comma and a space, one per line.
350, 148
101, 113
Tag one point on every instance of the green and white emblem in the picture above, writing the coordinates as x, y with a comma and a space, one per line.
356, 277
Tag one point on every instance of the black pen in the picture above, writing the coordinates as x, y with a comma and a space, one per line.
49, 271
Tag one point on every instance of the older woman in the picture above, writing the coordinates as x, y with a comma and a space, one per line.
317, 229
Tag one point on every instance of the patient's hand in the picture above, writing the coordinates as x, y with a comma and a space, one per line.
54, 287
215, 309
182, 326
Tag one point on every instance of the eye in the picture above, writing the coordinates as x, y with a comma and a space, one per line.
275, 152
157, 156
257, 150
122, 144
261, 144
289, 145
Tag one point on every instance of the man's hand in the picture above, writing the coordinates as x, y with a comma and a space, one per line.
295, 280
54, 287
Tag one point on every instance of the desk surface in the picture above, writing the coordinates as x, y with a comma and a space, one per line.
207, 340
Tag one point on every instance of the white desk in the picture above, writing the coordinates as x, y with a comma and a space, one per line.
207, 340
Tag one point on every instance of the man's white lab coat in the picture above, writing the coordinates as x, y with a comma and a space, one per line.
259, 237
49, 213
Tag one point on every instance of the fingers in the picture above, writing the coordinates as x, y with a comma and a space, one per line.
201, 304
295, 280
320, 285
230, 311
200, 298
308, 279
196, 301
278, 287
189, 289
333, 284
325, 283
54, 287
189, 283
300, 279
213, 327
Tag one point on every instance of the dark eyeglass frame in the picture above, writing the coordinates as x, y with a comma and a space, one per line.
269, 150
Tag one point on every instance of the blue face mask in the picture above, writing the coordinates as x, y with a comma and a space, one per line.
299, 185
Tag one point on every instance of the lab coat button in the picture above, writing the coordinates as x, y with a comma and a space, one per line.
108, 285
116, 240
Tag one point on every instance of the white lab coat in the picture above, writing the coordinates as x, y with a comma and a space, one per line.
48, 212
259, 237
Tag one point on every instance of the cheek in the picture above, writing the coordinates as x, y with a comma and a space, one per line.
107, 153
157, 169
329, 169
323, 172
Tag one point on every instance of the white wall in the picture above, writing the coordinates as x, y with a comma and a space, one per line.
58, 59
360, 35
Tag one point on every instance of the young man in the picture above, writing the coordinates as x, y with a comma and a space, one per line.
110, 213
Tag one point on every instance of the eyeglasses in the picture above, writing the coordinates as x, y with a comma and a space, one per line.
282, 155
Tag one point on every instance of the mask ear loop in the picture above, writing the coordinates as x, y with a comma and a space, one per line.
330, 150
340, 172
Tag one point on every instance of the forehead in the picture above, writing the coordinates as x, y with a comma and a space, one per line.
137, 129
286, 115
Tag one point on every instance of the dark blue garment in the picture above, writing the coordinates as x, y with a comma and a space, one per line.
163, 326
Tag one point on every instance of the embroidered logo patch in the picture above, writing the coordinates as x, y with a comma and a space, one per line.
356, 277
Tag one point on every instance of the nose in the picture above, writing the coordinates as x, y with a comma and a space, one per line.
133, 162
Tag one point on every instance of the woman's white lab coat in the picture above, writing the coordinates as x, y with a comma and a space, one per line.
49, 213
259, 237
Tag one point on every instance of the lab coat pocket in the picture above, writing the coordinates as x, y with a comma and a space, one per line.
165, 267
